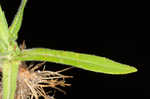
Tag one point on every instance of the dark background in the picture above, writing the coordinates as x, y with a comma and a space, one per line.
96, 28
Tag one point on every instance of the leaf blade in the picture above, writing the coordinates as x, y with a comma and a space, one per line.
84, 61
16, 24
10, 71
4, 32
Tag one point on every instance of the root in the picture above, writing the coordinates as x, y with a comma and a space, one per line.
31, 82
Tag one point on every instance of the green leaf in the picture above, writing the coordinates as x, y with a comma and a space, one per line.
16, 24
4, 33
6, 45
10, 71
84, 61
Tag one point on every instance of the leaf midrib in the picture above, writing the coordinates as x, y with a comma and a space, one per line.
78, 60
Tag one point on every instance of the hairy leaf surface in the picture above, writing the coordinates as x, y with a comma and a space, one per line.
16, 24
84, 61
10, 71
4, 33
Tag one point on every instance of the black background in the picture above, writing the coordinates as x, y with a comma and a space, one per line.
96, 28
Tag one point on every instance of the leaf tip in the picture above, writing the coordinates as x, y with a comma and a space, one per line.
133, 69
130, 70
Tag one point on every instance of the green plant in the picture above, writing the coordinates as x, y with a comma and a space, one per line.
11, 56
